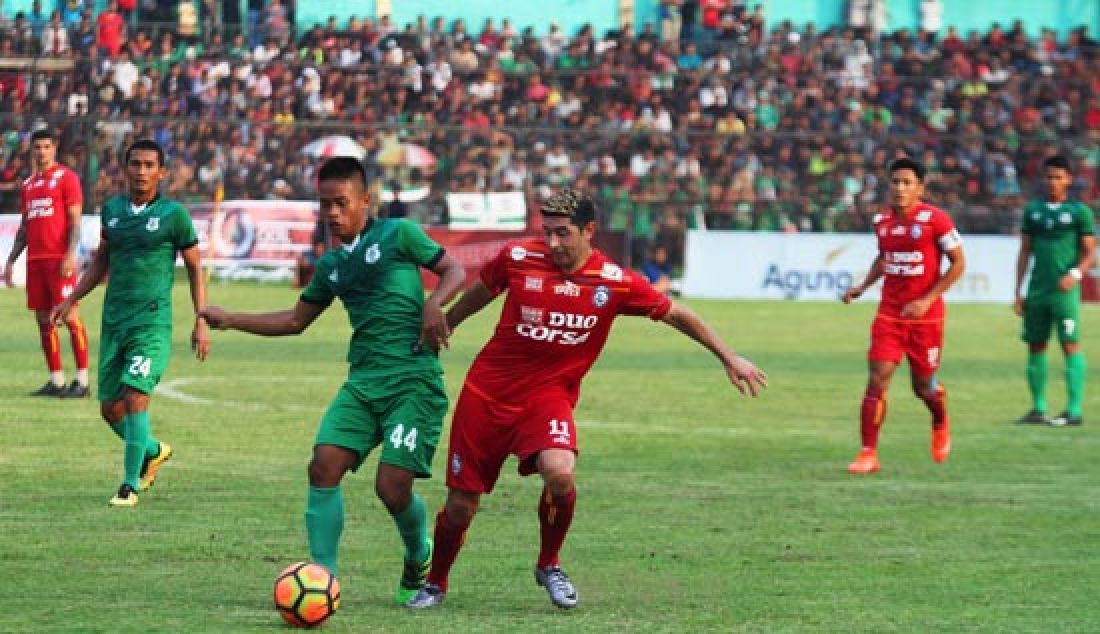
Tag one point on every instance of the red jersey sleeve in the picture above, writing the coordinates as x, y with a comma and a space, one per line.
943, 228
494, 275
643, 300
70, 190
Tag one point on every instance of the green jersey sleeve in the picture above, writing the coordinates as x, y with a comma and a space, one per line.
1085, 220
417, 246
1027, 226
319, 291
184, 236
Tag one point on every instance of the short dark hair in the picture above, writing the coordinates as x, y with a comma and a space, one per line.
43, 133
906, 163
570, 203
146, 144
343, 168
1057, 161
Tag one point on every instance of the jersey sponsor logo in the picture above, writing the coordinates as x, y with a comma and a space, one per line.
573, 320
533, 283
601, 296
915, 232
898, 231
611, 272
553, 331
334, 277
456, 463
904, 263
371, 255
518, 253
40, 208
530, 314
153, 224
568, 288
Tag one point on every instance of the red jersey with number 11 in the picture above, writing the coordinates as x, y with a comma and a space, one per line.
44, 202
912, 248
553, 324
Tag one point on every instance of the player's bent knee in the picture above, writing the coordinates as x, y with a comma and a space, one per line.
461, 507
112, 411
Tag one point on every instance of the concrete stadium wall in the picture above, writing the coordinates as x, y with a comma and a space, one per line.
1060, 15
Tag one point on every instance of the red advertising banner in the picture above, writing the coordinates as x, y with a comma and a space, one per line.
254, 232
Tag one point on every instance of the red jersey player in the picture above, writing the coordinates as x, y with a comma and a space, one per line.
913, 237
518, 398
51, 203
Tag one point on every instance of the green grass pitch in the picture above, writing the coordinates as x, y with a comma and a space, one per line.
698, 510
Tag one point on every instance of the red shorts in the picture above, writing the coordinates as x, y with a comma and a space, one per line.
484, 432
920, 341
45, 286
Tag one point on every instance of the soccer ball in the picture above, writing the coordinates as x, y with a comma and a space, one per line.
306, 594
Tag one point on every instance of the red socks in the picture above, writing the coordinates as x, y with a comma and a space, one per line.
51, 346
937, 404
555, 516
871, 414
449, 538
78, 335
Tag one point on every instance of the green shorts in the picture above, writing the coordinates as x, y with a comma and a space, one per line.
1059, 313
136, 357
407, 421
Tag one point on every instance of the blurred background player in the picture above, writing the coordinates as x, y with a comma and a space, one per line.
658, 270
913, 237
50, 203
1058, 235
519, 395
394, 393
141, 235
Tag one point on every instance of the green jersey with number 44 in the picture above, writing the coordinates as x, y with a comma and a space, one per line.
1055, 230
378, 280
144, 241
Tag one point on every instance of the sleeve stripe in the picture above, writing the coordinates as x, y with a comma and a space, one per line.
436, 258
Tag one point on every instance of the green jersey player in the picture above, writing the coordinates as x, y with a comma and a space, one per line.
140, 237
394, 394
1057, 235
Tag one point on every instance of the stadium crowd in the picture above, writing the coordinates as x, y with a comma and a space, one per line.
706, 118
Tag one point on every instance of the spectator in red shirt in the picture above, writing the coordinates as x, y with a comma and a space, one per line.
110, 30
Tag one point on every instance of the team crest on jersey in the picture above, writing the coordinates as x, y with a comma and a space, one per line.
1065, 218
530, 314
601, 296
456, 463
532, 283
371, 255
153, 224
112, 222
1035, 217
334, 277
915, 232
518, 253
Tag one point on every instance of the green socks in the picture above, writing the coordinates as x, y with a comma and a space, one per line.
1037, 380
135, 428
324, 524
152, 448
412, 524
1075, 382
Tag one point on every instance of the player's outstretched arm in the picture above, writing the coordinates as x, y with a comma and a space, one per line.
474, 299
744, 375
1023, 258
873, 274
200, 336
283, 322
434, 329
91, 278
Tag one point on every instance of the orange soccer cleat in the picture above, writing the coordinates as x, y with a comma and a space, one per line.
941, 442
865, 462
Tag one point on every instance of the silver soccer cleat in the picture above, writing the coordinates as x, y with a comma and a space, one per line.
428, 596
558, 586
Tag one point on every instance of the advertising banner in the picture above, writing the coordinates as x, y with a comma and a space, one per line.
494, 210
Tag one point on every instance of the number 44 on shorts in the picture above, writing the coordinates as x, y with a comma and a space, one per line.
399, 438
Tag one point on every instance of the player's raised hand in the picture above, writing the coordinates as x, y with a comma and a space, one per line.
215, 317
746, 377
434, 332
200, 339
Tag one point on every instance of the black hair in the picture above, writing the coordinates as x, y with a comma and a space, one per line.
146, 144
1057, 161
43, 133
572, 204
343, 168
905, 163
